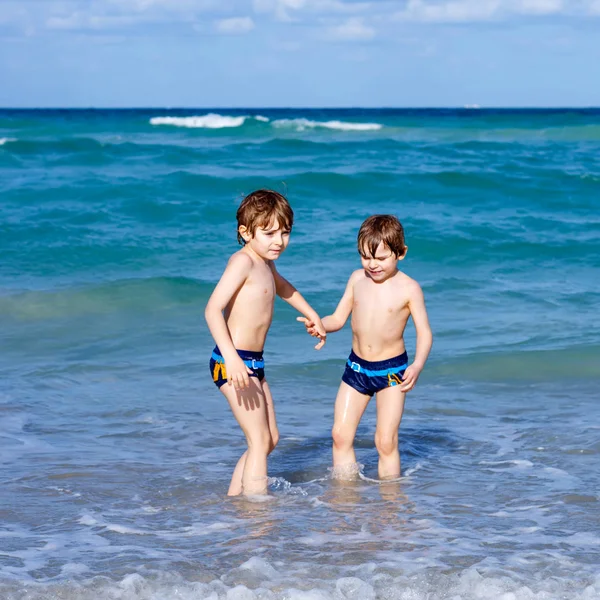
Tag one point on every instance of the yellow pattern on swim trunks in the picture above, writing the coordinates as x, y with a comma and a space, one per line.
393, 379
219, 366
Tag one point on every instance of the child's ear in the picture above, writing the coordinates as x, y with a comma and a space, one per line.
401, 256
243, 231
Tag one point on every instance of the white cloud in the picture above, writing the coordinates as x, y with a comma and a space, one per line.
229, 16
540, 7
235, 25
291, 10
457, 11
352, 29
282, 9
79, 20
122, 14
594, 7
174, 6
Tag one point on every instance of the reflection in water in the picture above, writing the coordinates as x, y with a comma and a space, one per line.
259, 513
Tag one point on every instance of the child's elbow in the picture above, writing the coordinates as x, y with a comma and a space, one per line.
425, 334
209, 312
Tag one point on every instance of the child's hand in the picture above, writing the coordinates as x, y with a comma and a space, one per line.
237, 373
316, 329
320, 333
410, 378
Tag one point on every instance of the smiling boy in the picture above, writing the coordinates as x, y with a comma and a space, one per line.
381, 299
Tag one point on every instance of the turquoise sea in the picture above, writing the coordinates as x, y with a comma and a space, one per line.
115, 447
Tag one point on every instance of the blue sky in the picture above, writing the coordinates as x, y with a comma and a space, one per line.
257, 53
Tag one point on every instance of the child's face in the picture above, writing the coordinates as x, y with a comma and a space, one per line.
268, 242
382, 265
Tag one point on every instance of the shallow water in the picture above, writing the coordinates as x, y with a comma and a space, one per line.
116, 448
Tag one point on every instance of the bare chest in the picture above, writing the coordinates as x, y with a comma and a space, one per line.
260, 286
378, 300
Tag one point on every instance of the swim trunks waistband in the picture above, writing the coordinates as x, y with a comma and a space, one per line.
380, 368
251, 358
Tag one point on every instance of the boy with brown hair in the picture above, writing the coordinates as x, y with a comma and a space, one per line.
239, 313
381, 299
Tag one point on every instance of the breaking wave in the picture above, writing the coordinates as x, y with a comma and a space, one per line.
302, 124
209, 121
216, 121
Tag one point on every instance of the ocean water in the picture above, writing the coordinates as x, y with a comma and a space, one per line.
115, 447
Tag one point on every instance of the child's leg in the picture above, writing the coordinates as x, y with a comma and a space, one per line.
271, 416
235, 487
349, 408
390, 406
249, 407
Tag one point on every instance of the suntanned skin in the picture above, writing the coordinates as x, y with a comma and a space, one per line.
239, 314
381, 299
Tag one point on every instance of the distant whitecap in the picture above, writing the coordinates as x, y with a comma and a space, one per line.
302, 124
209, 121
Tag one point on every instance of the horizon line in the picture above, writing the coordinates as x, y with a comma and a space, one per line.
466, 107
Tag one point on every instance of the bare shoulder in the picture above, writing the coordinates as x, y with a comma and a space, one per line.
357, 276
240, 260
410, 285
239, 265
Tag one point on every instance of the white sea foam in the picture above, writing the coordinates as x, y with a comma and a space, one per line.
6, 140
208, 121
87, 520
125, 530
471, 584
216, 121
520, 464
261, 567
302, 124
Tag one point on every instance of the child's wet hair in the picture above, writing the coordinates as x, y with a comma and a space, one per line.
381, 228
260, 209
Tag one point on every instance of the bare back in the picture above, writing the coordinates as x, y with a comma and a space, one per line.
250, 311
380, 312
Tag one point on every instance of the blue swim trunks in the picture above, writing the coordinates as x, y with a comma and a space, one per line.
254, 360
371, 377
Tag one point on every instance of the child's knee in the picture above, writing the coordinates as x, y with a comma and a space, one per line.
261, 441
274, 440
341, 438
386, 443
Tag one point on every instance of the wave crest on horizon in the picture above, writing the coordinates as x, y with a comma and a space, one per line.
302, 124
208, 121
217, 121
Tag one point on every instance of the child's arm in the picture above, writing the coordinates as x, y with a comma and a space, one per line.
418, 313
286, 291
338, 319
231, 281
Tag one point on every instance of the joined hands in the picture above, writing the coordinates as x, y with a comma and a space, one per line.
315, 329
